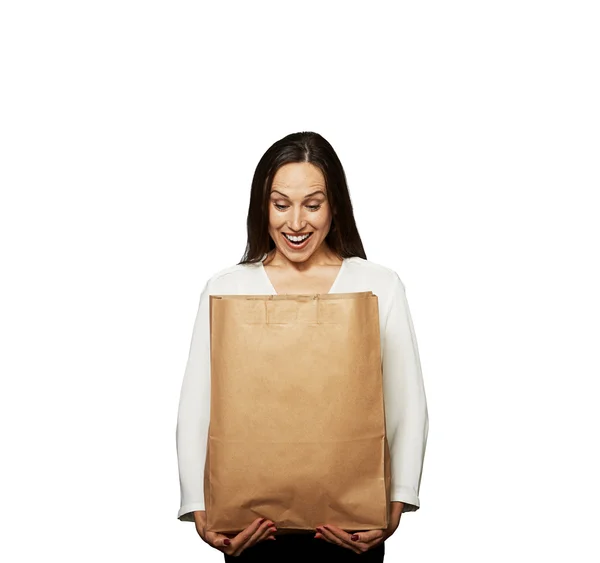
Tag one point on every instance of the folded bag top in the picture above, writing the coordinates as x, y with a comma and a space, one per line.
296, 296
290, 308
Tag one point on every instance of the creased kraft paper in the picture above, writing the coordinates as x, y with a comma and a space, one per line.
297, 423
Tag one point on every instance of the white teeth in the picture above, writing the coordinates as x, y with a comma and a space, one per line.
296, 239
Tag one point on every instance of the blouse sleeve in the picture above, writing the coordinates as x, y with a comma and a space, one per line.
407, 421
194, 415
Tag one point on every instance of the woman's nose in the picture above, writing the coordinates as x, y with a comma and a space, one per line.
298, 221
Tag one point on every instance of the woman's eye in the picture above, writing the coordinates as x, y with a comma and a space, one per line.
311, 207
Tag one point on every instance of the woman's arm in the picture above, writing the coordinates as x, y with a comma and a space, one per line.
194, 415
407, 421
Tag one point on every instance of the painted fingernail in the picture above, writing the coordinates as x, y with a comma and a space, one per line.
226, 542
354, 537
320, 530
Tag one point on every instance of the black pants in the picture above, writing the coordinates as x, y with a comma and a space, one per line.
304, 547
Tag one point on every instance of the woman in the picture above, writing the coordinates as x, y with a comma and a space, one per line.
302, 238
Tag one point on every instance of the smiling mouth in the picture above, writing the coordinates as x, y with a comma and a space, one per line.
297, 239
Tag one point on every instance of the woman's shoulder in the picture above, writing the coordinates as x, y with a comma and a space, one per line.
373, 271
236, 274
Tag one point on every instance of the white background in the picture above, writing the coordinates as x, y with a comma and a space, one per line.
129, 134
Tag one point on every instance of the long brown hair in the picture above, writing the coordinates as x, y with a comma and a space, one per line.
305, 146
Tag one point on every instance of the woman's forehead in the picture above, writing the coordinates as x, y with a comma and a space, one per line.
299, 175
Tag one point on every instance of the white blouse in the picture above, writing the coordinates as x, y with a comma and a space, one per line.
407, 421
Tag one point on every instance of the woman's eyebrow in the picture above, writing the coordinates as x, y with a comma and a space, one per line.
305, 197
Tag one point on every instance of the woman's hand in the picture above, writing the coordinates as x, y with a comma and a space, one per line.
359, 542
261, 529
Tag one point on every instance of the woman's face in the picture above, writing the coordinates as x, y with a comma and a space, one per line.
298, 206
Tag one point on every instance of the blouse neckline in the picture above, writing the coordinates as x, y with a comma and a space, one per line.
335, 281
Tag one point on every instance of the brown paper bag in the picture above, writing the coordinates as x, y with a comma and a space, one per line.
297, 421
